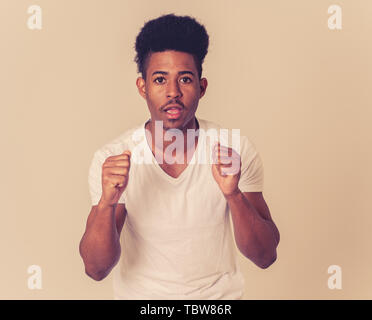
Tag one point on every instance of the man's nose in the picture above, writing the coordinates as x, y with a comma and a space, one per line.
173, 90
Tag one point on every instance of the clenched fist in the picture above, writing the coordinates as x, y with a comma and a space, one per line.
115, 176
226, 168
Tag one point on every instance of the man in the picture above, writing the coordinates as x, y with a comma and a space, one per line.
177, 241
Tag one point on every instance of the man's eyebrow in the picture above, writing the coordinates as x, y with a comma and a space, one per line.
180, 73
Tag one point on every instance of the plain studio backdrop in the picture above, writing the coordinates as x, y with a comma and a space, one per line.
298, 89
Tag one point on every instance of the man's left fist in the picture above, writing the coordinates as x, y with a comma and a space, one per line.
226, 168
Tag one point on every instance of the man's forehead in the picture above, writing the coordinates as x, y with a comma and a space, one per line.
170, 59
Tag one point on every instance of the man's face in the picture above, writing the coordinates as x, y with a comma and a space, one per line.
172, 88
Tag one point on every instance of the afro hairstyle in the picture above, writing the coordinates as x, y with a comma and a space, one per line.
171, 32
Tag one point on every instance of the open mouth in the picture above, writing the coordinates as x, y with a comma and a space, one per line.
173, 112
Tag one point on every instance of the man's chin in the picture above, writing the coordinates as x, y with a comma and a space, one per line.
173, 124
179, 123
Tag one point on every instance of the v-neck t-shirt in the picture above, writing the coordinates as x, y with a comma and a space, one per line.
177, 240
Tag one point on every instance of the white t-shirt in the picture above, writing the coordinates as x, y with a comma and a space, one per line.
177, 240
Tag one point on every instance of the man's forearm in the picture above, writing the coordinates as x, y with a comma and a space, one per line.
255, 237
100, 245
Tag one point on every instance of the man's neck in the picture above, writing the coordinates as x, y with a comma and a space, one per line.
158, 135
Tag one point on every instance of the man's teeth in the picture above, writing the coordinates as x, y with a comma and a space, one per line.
173, 110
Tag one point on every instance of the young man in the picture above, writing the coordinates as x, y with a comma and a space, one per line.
177, 241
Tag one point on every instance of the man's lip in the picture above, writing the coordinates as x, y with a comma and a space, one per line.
177, 106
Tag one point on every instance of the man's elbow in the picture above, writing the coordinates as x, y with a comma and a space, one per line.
267, 262
264, 260
268, 259
97, 275
99, 271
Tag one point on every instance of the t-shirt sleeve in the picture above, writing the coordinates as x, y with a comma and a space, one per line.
95, 177
252, 170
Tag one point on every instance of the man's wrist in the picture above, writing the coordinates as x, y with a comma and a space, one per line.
236, 193
102, 204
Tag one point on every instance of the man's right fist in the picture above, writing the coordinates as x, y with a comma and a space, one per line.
115, 176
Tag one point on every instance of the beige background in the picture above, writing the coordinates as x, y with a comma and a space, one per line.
300, 91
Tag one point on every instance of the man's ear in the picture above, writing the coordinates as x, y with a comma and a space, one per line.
203, 86
141, 85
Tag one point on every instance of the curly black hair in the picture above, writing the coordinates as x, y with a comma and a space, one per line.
171, 32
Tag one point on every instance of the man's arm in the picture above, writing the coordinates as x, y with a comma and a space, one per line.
100, 244
256, 235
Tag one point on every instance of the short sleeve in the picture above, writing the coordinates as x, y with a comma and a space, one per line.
95, 177
252, 170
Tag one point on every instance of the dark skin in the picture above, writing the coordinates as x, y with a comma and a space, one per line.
172, 78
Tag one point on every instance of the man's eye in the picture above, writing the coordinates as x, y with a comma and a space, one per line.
186, 79
159, 80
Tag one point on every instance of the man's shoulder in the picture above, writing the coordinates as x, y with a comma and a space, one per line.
208, 124
125, 141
